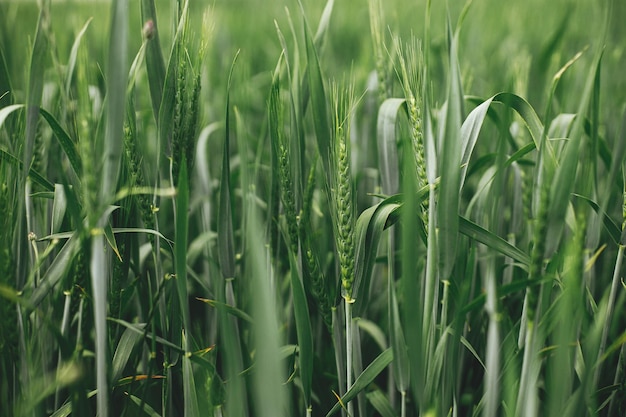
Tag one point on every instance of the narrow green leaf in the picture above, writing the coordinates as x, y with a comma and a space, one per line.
319, 106
388, 143
303, 331
380, 403
474, 231
324, 23
374, 331
225, 236
124, 349
145, 407
35, 81
71, 62
236, 401
6, 111
366, 378
140, 328
228, 309
469, 134
565, 176
401, 365
32, 174
155, 65
618, 153
451, 147
117, 75
369, 228
65, 141
58, 207
190, 395
99, 269
110, 237
66, 409
530, 119
57, 270
611, 227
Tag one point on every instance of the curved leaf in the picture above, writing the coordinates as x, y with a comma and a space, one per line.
71, 62
474, 231
380, 403
369, 228
124, 348
363, 380
388, 143
228, 309
57, 270
6, 111
32, 174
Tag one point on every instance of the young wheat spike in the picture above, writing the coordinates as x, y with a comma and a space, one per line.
342, 189
383, 69
411, 65
312, 264
283, 154
286, 193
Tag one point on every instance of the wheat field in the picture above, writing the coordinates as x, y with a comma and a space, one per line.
299, 208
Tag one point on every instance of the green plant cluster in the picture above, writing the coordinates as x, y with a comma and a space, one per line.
289, 208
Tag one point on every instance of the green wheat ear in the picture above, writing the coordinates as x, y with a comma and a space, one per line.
411, 63
383, 64
342, 192
311, 262
283, 155
186, 101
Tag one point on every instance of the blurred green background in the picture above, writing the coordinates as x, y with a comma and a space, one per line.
505, 45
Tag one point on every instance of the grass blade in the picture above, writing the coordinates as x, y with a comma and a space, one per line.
99, 270
388, 143
451, 146
380, 403
155, 64
189, 386
6, 111
229, 330
493, 241
363, 380
225, 237
368, 231
35, 81
65, 141
565, 177
117, 75
33, 175
319, 106
124, 349
58, 207
56, 272
71, 63
303, 330
229, 309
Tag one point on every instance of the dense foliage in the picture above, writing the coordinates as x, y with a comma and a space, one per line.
287, 208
